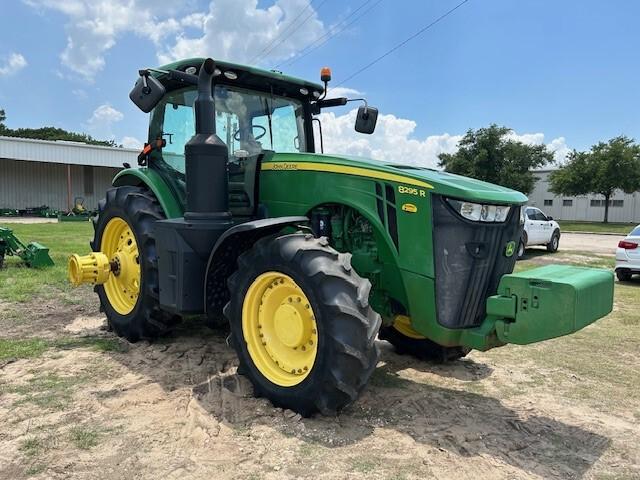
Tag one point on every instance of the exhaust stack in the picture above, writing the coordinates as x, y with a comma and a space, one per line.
206, 157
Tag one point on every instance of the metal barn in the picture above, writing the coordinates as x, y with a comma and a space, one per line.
53, 173
623, 207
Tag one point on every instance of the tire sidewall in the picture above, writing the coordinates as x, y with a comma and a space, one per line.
555, 241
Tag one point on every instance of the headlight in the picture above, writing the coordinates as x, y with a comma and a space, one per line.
480, 213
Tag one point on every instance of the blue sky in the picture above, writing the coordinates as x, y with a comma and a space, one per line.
554, 71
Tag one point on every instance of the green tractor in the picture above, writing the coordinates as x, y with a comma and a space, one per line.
309, 257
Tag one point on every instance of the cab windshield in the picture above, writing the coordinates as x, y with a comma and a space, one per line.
249, 122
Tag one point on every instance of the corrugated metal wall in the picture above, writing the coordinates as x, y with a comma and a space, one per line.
65, 152
580, 208
31, 184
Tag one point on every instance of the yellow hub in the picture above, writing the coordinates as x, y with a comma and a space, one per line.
402, 324
93, 268
279, 327
123, 285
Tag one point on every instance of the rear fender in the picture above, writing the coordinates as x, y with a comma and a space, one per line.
154, 181
224, 256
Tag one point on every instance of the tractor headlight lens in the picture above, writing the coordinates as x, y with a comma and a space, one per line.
477, 212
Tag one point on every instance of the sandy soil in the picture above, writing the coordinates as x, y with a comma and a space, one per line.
587, 242
27, 220
176, 409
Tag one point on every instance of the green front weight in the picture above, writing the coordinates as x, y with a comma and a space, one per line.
549, 302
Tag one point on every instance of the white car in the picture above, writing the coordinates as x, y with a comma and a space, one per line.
628, 256
539, 229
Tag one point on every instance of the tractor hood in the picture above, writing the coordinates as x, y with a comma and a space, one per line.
436, 181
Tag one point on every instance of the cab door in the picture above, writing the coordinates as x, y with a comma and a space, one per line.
533, 226
546, 228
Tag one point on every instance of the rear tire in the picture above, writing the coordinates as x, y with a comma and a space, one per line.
624, 275
345, 326
140, 209
553, 245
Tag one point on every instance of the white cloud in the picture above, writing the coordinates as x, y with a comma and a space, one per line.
394, 142
560, 150
236, 30
239, 30
343, 92
391, 142
13, 64
131, 142
558, 145
102, 120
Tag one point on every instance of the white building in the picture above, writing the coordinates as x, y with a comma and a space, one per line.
53, 173
623, 207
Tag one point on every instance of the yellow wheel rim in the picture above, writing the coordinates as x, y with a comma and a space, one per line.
280, 329
119, 245
402, 324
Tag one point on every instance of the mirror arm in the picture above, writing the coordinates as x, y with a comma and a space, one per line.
366, 105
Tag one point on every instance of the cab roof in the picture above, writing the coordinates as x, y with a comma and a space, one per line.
252, 77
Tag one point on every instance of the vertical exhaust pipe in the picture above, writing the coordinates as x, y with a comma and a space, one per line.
206, 157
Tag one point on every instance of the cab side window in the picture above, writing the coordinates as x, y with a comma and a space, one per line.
179, 122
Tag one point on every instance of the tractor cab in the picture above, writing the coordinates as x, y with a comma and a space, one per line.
258, 113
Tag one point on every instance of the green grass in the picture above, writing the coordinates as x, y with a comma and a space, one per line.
34, 347
22, 348
31, 446
48, 391
596, 227
18, 283
84, 437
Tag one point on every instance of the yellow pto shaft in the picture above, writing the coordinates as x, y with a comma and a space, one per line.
93, 268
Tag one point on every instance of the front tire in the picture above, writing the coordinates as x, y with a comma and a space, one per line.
124, 232
301, 324
553, 245
407, 341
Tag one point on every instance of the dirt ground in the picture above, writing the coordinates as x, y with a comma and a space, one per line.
28, 220
88, 405
588, 242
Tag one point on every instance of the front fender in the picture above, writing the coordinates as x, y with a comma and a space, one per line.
223, 259
154, 181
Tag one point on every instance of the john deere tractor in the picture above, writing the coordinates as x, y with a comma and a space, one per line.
309, 258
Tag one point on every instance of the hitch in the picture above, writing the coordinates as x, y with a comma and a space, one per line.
33, 255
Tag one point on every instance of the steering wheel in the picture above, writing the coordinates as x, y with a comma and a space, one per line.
236, 134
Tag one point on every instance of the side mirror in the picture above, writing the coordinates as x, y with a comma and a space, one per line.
147, 92
366, 120
549, 218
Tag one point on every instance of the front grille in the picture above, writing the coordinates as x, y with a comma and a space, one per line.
469, 261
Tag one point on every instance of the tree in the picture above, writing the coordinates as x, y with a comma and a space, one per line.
51, 133
607, 167
490, 154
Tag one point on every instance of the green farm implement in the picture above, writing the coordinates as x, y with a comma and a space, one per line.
236, 214
33, 254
